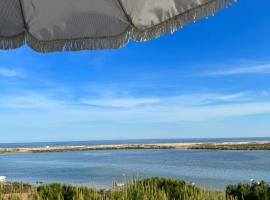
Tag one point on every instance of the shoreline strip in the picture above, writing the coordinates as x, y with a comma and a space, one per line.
262, 145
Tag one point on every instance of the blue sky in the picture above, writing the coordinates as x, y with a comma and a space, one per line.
210, 79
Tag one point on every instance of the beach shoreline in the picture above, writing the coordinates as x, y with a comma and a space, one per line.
257, 145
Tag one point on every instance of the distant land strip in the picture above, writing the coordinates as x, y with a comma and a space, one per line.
262, 145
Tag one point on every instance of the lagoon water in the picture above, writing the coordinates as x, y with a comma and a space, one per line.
211, 169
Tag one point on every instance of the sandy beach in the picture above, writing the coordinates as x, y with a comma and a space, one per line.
262, 145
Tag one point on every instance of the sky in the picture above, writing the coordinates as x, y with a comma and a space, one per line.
210, 79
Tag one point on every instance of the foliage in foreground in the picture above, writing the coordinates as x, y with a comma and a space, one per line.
148, 189
254, 191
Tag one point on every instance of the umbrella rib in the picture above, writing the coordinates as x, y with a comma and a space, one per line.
125, 12
23, 16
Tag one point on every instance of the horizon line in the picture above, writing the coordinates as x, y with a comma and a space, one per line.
134, 139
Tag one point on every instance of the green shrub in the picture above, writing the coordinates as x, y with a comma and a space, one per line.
56, 191
254, 191
180, 190
147, 189
50, 192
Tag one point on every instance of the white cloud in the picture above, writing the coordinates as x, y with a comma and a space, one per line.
257, 69
6, 72
30, 101
193, 108
207, 98
121, 103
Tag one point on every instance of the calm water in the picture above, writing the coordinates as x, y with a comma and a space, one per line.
212, 169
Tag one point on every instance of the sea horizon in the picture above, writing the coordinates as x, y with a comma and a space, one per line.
129, 141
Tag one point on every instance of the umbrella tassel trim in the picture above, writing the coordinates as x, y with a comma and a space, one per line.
173, 24
58, 45
7, 43
78, 44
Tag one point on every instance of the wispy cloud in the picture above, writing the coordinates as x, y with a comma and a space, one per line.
9, 73
192, 107
30, 101
257, 69
128, 102
197, 99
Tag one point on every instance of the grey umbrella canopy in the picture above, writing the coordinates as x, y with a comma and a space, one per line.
70, 25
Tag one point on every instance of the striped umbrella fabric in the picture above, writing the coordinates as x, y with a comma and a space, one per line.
72, 25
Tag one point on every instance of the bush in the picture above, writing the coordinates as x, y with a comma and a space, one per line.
148, 189
56, 191
253, 191
180, 190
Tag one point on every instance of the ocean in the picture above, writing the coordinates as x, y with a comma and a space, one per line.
210, 169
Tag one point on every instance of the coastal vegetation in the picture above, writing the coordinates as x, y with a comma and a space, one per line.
244, 146
203, 146
254, 191
147, 189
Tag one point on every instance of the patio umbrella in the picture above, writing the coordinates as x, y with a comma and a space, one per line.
70, 25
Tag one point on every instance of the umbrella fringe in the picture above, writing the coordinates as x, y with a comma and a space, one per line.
78, 44
177, 22
8, 43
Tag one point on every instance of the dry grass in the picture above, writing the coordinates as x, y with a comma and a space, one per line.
149, 189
